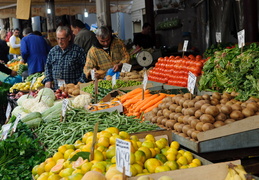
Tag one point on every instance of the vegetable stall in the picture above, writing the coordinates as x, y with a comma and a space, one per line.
60, 126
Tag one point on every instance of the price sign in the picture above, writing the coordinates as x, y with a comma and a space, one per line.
8, 110
113, 80
61, 82
123, 156
93, 74
126, 67
33, 81
145, 79
218, 37
241, 38
191, 82
64, 107
5, 130
18, 118
185, 45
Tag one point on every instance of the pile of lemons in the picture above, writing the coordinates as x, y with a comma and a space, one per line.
25, 86
147, 156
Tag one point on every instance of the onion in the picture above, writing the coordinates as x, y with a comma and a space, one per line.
154, 119
229, 103
207, 126
159, 113
167, 99
218, 124
154, 110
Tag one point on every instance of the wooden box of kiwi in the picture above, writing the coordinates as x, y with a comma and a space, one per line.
207, 123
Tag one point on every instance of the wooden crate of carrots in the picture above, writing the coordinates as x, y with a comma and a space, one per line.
134, 105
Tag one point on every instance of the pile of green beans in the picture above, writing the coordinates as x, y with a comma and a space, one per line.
78, 121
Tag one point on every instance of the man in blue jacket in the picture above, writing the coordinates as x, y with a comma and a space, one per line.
34, 51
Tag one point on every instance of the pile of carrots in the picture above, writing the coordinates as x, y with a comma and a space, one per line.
134, 105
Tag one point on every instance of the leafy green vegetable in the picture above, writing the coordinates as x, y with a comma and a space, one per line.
20, 152
230, 70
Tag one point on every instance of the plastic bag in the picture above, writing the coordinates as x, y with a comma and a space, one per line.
12, 80
111, 73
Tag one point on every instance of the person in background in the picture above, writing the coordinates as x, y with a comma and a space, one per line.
6, 70
8, 35
4, 49
144, 39
40, 34
83, 37
34, 51
14, 41
108, 52
65, 61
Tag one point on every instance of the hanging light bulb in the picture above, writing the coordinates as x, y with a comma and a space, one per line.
86, 13
48, 11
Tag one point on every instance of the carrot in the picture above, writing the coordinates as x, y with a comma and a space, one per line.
145, 101
131, 101
152, 107
152, 102
133, 92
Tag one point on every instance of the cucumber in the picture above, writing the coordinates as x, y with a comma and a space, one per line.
31, 116
34, 123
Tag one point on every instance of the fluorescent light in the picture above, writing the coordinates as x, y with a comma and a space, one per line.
48, 11
86, 13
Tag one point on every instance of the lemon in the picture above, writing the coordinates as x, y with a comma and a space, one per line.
138, 167
86, 135
86, 167
171, 157
164, 150
67, 153
87, 147
40, 168
161, 157
110, 152
54, 177
113, 138
43, 176
133, 171
34, 170
103, 141
150, 137
160, 144
172, 165
146, 151
57, 156
151, 164
148, 144
76, 176
188, 156
124, 135
162, 168
98, 155
49, 165
134, 138
172, 150
66, 172
193, 165
182, 161
197, 161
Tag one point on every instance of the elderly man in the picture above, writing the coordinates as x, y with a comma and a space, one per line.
108, 52
65, 61
83, 37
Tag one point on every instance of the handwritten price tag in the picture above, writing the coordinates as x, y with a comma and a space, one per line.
18, 118
113, 80
218, 37
8, 110
61, 82
33, 81
145, 79
241, 38
126, 67
5, 129
64, 107
123, 156
185, 45
191, 82
93, 74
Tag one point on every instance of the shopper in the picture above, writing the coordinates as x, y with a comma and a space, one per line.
83, 37
65, 61
108, 52
144, 39
4, 49
15, 40
34, 51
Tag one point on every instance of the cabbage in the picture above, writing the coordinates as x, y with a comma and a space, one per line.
17, 110
47, 100
22, 98
47, 92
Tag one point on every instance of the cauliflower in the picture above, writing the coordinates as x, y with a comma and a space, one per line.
33, 105
81, 100
39, 107
22, 98
47, 100
47, 92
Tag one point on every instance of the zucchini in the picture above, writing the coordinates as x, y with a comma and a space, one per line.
51, 109
31, 116
34, 123
53, 115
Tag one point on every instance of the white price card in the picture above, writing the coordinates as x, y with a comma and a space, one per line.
185, 45
61, 82
126, 67
218, 37
145, 79
33, 81
241, 38
8, 110
64, 107
18, 118
5, 129
113, 80
93, 74
123, 156
191, 82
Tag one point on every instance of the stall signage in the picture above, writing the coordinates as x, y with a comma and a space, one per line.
185, 45
218, 37
191, 82
5, 129
241, 38
126, 67
123, 156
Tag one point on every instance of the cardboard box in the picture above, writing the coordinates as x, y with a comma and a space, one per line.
119, 108
245, 132
217, 171
112, 95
